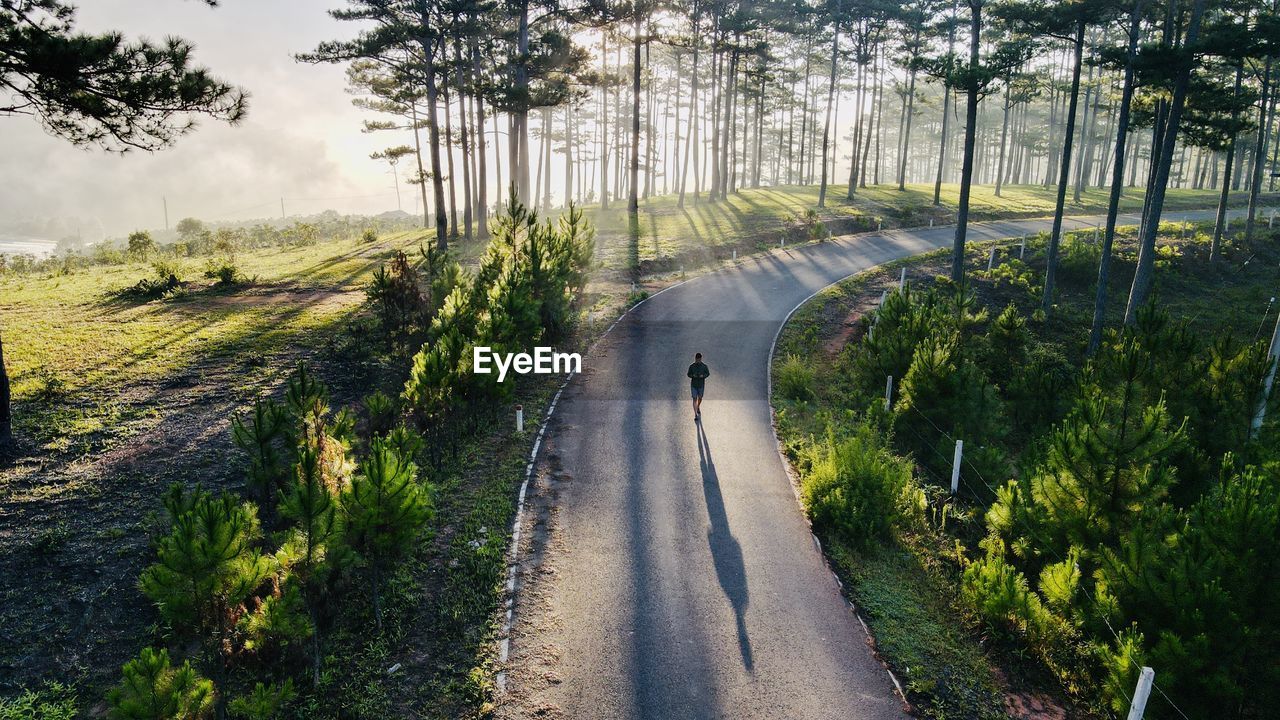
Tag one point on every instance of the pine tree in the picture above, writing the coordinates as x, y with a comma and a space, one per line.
308, 555
208, 568
384, 508
152, 689
1111, 458
261, 436
305, 393
265, 702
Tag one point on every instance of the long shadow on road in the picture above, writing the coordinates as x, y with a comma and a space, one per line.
726, 553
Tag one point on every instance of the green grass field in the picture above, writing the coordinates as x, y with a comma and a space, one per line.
759, 216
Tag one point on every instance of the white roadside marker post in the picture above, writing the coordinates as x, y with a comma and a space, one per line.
1274, 354
879, 225
991, 260
1022, 249
519, 418
1141, 693
735, 253
883, 295
902, 279
888, 392
1272, 220
930, 222
955, 467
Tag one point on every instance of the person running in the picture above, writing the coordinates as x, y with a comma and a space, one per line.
698, 374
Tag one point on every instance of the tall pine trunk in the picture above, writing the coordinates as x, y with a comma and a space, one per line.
1142, 276
437, 171
633, 197
970, 136
604, 125
1055, 235
417, 154
448, 150
946, 117
465, 143
831, 96
482, 189
906, 134
691, 136
1117, 180
6, 411
1259, 150
1004, 136
1221, 220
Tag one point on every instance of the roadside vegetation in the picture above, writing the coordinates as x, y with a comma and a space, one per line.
1114, 509
361, 548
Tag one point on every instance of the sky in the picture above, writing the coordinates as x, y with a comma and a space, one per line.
301, 139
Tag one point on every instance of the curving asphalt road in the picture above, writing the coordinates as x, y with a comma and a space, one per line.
681, 579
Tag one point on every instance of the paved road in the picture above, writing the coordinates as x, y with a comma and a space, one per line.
681, 580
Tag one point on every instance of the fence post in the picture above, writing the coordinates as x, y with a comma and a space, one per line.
955, 467
1141, 693
991, 260
888, 392
519, 418
1274, 354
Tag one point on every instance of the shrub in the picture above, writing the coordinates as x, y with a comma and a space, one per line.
207, 569
262, 436
902, 322
382, 412
264, 703
384, 508
795, 379
856, 488
1078, 259
224, 271
152, 688
814, 229
396, 294
141, 245
942, 397
165, 281
369, 235
54, 701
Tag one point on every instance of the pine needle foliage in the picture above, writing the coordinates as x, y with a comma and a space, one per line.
384, 509
153, 689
